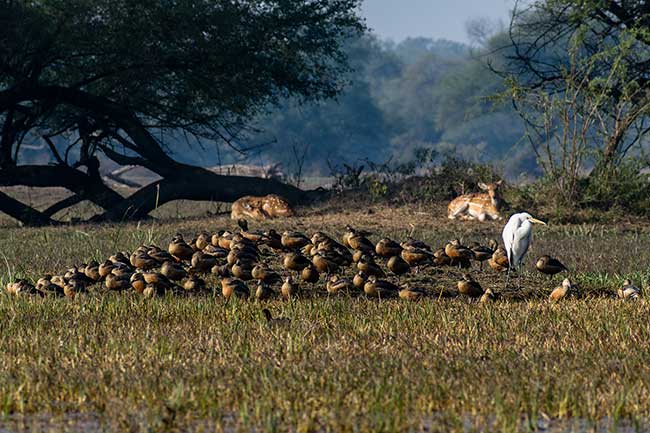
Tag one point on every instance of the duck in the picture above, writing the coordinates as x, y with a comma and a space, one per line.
120, 257
549, 265
293, 240
412, 293
242, 270
387, 248
218, 252
310, 274
369, 267
359, 280
357, 241
234, 287
262, 273
142, 260
274, 321
193, 283
92, 271
349, 232
499, 260
22, 287
180, 249
137, 282
379, 288
43, 281
440, 258
72, 288
173, 271
243, 253
561, 292
118, 282
157, 278
295, 261
223, 239
263, 291
469, 287
459, 254
49, 289
416, 256
152, 291
488, 296
159, 255
202, 262
398, 265
203, 239
221, 270
356, 256
325, 262
273, 240
289, 289
629, 291
336, 284
105, 268
415, 243
482, 253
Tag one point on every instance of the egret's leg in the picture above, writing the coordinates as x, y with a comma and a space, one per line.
508, 276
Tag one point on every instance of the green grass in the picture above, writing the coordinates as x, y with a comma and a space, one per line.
344, 363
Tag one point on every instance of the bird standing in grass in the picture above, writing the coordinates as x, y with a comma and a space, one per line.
517, 235
561, 292
629, 291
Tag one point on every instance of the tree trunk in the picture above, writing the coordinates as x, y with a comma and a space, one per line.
23, 213
195, 183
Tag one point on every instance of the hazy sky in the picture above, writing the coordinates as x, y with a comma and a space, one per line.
398, 19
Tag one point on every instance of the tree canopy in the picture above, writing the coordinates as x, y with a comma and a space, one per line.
121, 76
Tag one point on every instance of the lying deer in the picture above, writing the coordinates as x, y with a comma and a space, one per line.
480, 206
261, 208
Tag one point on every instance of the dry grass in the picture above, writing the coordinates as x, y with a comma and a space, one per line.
345, 363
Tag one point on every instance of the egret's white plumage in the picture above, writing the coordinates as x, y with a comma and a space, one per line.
516, 237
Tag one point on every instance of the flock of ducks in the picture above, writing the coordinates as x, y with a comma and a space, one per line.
242, 261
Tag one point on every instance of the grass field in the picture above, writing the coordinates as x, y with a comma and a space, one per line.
345, 363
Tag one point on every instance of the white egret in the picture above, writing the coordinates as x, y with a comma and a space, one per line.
516, 238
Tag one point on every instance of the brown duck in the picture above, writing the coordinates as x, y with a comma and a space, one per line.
388, 248
336, 284
294, 240
469, 287
180, 249
234, 287
549, 265
379, 288
398, 265
289, 288
561, 292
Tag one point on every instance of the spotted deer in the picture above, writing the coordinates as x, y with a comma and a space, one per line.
261, 208
478, 206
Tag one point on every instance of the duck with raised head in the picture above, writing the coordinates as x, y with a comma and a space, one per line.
469, 287
359, 242
289, 288
234, 287
561, 292
488, 296
180, 249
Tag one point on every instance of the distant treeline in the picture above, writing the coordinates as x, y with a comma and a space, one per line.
418, 93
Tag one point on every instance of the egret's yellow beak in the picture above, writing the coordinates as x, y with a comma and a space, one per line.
536, 221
